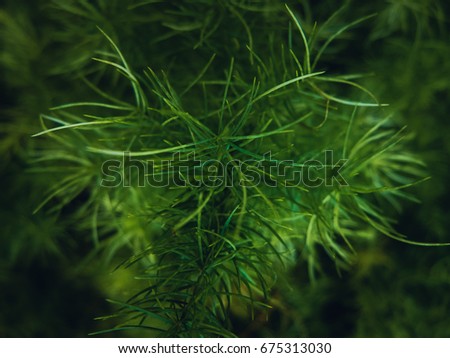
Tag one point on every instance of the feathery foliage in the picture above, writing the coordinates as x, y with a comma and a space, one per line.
275, 155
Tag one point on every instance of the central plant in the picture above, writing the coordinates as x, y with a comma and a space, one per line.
266, 158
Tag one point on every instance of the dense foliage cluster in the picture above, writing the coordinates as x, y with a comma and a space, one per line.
289, 136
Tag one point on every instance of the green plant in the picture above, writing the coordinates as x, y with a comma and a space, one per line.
245, 88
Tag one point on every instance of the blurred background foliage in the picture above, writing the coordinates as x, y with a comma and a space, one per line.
51, 283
